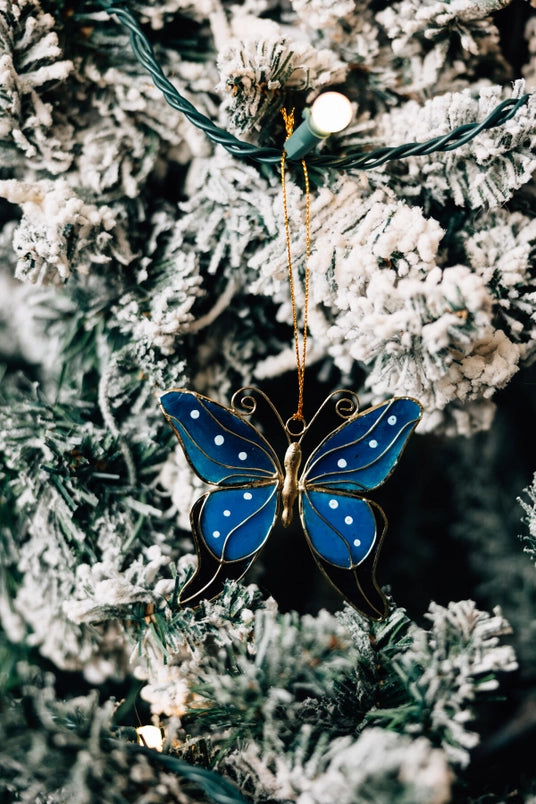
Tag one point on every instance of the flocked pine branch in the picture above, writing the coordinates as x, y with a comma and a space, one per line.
164, 265
32, 127
82, 515
257, 71
441, 43
72, 750
282, 727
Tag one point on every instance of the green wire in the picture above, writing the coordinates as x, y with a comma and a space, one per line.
218, 789
355, 159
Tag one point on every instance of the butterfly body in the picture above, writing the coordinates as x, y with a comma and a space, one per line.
252, 491
290, 487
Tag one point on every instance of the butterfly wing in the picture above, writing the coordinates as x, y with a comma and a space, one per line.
361, 453
222, 447
345, 534
345, 531
230, 524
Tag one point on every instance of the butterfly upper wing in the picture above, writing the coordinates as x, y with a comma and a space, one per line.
223, 448
344, 530
361, 453
230, 524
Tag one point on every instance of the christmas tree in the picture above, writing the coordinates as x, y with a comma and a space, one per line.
138, 254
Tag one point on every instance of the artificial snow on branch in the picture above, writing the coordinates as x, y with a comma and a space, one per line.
32, 125
138, 254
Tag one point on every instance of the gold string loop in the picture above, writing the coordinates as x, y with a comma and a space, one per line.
301, 349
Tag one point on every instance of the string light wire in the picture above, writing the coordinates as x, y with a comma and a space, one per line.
354, 159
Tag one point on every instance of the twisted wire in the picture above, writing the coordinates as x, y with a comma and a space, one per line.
144, 53
216, 787
354, 159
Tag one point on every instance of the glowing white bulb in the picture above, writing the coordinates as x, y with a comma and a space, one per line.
150, 737
331, 112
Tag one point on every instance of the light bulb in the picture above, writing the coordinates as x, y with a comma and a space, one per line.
150, 737
331, 112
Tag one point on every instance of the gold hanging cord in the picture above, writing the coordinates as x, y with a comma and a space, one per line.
301, 350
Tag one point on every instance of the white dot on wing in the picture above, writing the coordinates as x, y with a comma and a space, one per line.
348, 520
227, 512
391, 420
194, 413
333, 504
357, 542
218, 440
373, 444
242, 456
342, 463
216, 534
248, 495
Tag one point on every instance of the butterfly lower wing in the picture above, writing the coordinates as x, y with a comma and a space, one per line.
362, 452
345, 533
230, 527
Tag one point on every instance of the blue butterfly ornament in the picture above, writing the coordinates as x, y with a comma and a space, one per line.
232, 522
